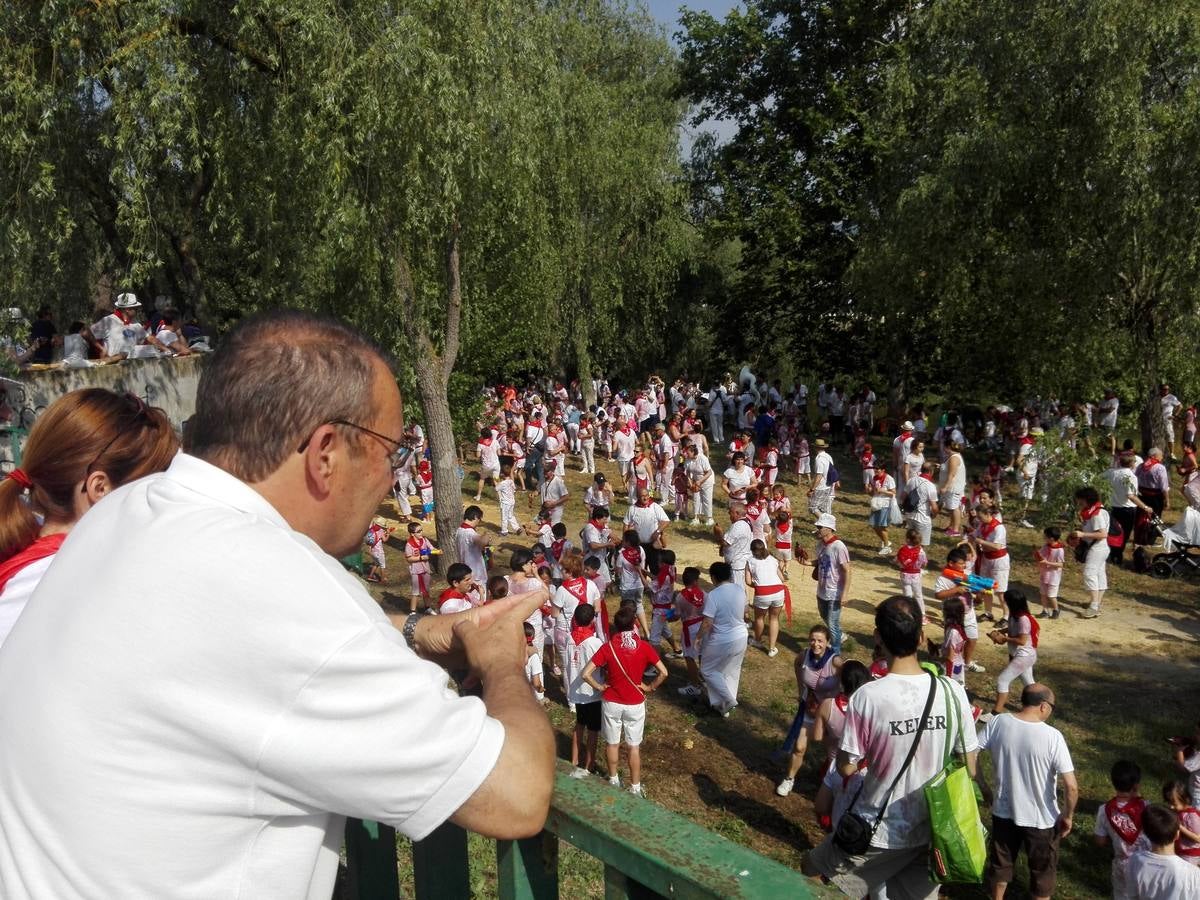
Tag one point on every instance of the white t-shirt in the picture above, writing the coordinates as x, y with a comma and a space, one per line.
629, 575
765, 572
575, 660
470, 554
739, 481
1124, 486
881, 723
925, 493
625, 444
118, 337
196, 742
697, 468
533, 669
725, 605
17, 593
1108, 412
1170, 403
646, 520
565, 603
821, 463
735, 546
831, 558
1027, 758
488, 457
1153, 876
1121, 850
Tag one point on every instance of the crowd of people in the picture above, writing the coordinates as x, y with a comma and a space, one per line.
126, 331
262, 702
663, 448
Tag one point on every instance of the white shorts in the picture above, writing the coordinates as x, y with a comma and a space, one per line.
804, 465
951, 500
783, 555
618, 717
1050, 588
925, 530
768, 601
490, 473
691, 649
999, 570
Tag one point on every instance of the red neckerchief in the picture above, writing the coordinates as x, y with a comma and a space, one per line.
829, 541
664, 575
535, 423
125, 318
580, 633
576, 587
1125, 817
39, 549
986, 528
1054, 545
1149, 464
539, 560
880, 476
467, 525
633, 556
926, 476
624, 429
417, 544
644, 504
595, 523
556, 549
842, 702
1090, 511
907, 557
485, 442
958, 626
868, 460
451, 594
753, 510
1026, 441
905, 435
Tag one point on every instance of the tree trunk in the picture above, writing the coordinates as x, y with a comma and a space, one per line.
433, 380
583, 366
1149, 370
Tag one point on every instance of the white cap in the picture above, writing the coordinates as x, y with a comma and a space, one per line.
826, 520
127, 301
907, 426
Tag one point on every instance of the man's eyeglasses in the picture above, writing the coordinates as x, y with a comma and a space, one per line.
395, 457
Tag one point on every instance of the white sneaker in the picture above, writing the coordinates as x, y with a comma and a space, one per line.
1025, 523
709, 523
695, 523
579, 772
785, 787
615, 780
773, 652
637, 790
690, 691
973, 666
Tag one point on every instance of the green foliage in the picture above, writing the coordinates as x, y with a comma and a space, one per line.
1062, 470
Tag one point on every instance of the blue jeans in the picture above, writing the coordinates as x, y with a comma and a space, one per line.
534, 469
831, 614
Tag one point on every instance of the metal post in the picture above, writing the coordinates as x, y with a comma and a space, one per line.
528, 869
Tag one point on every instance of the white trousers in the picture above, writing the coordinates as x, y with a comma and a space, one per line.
721, 668
702, 501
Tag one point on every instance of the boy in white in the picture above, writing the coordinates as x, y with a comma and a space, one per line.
700, 484
625, 443
1119, 824
554, 492
506, 490
487, 451
882, 723
581, 647
1157, 873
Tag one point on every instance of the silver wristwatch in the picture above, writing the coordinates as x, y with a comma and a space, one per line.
410, 626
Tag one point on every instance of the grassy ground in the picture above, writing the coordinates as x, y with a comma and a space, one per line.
1124, 682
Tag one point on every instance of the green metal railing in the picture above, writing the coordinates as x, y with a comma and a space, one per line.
647, 851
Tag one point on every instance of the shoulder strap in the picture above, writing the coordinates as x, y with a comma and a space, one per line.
953, 715
912, 751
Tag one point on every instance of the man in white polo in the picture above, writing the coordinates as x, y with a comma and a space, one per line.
209, 740
650, 521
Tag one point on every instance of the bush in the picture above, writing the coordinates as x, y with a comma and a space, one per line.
1062, 471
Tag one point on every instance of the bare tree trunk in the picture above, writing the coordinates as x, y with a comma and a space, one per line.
583, 365
1145, 347
433, 369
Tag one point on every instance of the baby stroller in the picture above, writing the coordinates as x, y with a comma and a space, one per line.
1180, 560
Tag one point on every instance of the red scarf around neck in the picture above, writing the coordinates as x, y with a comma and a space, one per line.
1090, 511
39, 549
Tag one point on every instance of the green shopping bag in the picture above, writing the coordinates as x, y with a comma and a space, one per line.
958, 850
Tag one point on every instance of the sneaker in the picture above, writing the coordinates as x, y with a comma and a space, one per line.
952, 532
973, 666
987, 617
757, 645
695, 523
884, 550
1025, 523
709, 523
1045, 614
579, 772
773, 652
614, 780
1090, 613
1002, 624
1055, 614
785, 787
986, 717
690, 691
637, 790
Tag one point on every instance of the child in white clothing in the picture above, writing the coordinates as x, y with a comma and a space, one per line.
1050, 559
506, 489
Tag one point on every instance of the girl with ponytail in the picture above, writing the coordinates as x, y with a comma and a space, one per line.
86, 444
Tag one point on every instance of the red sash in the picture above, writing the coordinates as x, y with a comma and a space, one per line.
39, 549
1125, 817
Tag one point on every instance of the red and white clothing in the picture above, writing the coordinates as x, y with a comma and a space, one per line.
596, 537
666, 450
375, 538
953, 642
489, 458
760, 521
567, 597
769, 588
452, 600
739, 480
912, 562
1120, 820
868, 467
581, 647
417, 550
630, 563
1050, 576
803, 458
506, 490
662, 601
996, 563
770, 466
784, 539
821, 681
690, 604
20, 574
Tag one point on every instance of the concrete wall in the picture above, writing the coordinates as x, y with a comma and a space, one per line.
169, 383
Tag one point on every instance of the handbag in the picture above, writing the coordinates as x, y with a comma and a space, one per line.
958, 840
854, 833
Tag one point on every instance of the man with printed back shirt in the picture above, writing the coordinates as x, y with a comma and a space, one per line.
1029, 758
883, 721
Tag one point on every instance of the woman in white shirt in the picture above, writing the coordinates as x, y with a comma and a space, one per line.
1093, 530
762, 574
738, 478
86, 444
